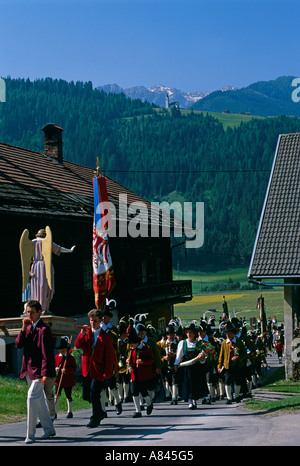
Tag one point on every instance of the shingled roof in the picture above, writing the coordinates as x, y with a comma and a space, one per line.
32, 182
276, 253
42, 184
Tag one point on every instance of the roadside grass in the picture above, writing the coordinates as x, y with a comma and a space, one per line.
277, 383
290, 404
13, 396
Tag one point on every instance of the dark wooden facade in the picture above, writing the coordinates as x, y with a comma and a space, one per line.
39, 189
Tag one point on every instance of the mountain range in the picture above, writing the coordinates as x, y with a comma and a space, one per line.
263, 98
157, 94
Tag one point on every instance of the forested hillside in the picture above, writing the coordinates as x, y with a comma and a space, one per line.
160, 155
264, 98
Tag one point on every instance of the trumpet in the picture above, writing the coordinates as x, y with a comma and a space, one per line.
122, 367
129, 357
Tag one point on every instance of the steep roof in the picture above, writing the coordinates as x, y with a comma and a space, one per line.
32, 182
276, 253
35, 183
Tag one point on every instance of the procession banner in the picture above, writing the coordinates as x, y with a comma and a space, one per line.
103, 272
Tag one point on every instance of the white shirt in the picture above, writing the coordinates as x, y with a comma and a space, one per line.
96, 334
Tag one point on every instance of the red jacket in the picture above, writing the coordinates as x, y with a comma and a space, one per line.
98, 364
143, 371
68, 377
38, 358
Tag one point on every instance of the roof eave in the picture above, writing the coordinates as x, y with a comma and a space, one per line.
264, 207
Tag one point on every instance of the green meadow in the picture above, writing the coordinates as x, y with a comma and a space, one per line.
209, 288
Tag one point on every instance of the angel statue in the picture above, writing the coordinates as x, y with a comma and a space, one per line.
37, 267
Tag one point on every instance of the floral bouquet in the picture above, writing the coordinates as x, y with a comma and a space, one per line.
209, 350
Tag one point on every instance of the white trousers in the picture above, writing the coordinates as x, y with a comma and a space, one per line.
37, 408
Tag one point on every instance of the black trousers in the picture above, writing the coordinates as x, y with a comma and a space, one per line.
92, 389
67, 390
140, 388
234, 375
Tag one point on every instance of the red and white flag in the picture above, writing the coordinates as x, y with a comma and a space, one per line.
103, 272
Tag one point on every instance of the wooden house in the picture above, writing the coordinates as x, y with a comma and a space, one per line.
276, 254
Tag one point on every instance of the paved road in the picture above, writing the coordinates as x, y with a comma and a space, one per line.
168, 426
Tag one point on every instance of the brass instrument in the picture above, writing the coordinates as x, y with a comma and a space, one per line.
122, 367
122, 360
129, 357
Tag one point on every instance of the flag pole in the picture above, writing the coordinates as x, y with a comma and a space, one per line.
97, 172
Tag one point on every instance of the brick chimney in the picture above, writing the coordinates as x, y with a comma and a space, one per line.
53, 142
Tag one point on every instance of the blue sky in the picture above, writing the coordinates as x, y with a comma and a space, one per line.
193, 45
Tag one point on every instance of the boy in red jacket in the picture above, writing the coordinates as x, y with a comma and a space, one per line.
140, 363
65, 367
97, 363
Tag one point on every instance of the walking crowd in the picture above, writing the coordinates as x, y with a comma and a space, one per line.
201, 362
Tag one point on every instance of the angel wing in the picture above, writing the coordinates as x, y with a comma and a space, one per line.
26, 247
47, 256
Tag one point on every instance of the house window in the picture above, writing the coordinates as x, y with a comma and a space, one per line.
161, 324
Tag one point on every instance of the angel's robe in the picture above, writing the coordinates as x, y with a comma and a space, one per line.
39, 288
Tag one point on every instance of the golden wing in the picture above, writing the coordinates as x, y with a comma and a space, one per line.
26, 247
47, 256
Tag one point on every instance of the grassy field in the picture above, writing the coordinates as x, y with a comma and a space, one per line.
13, 395
228, 120
241, 302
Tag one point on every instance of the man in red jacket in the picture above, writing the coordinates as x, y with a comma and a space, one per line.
38, 367
140, 362
97, 363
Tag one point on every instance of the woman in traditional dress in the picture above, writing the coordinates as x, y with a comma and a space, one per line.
194, 378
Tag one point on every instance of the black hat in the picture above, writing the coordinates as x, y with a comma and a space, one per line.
192, 326
179, 331
235, 321
229, 327
122, 327
109, 307
140, 327
170, 329
203, 326
133, 338
64, 343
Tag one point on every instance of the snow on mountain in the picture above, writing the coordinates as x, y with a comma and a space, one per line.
157, 94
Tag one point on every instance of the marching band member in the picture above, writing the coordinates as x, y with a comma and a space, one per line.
97, 364
65, 367
152, 345
107, 327
123, 378
249, 360
231, 361
170, 377
211, 364
140, 362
